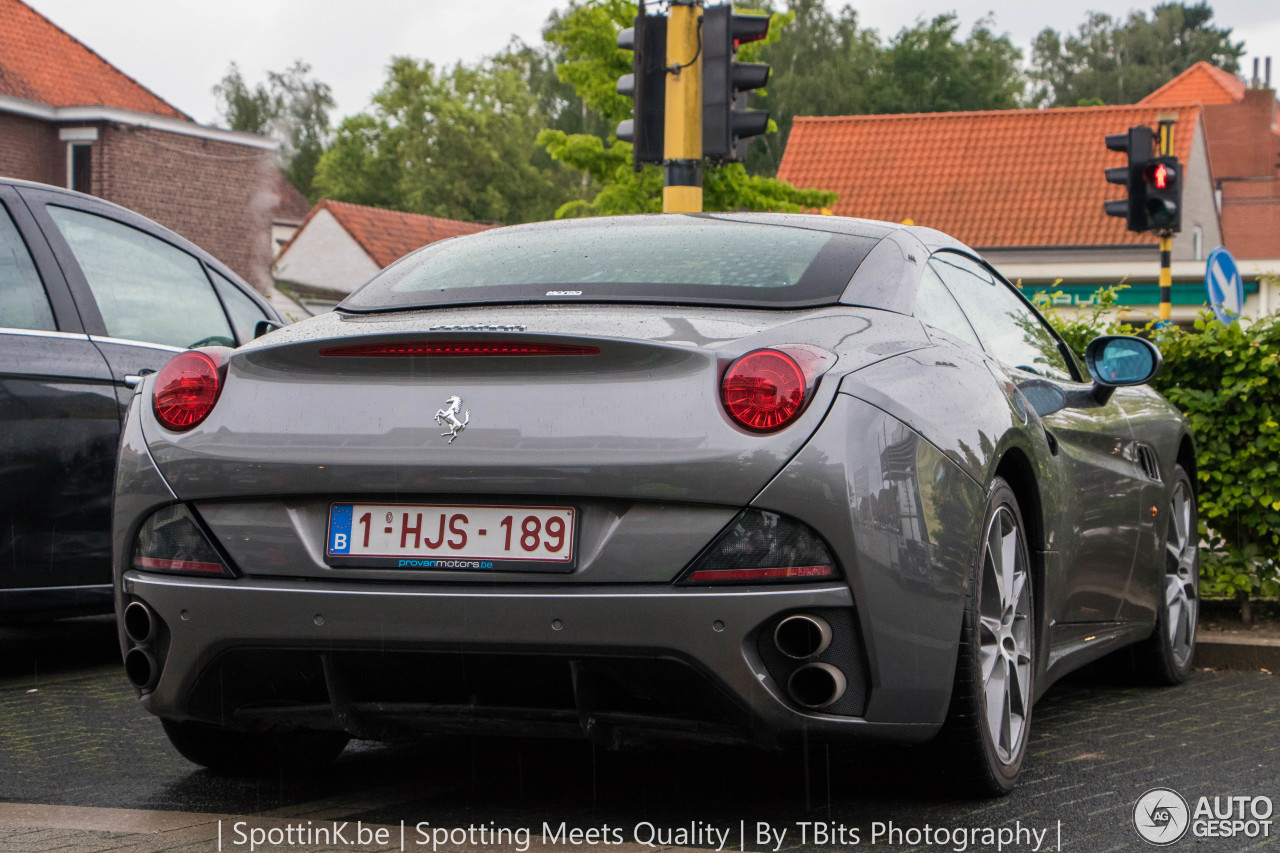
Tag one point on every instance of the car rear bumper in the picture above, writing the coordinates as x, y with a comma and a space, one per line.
370, 658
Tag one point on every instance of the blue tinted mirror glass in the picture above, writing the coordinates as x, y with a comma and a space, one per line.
1125, 362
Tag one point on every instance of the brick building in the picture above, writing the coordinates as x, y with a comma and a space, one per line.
70, 118
1244, 156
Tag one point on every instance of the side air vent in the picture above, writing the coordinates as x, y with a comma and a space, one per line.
1147, 458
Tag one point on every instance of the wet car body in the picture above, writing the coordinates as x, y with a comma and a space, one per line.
890, 464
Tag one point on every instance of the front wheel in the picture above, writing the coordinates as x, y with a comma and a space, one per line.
252, 753
985, 735
1165, 657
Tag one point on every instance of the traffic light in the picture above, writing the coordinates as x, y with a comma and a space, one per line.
647, 85
1136, 143
727, 124
1162, 177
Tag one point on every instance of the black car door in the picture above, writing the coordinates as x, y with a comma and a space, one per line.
1095, 445
144, 293
59, 427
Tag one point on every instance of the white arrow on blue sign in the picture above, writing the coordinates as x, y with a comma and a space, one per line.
1223, 283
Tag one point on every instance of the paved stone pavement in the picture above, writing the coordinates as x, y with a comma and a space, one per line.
83, 768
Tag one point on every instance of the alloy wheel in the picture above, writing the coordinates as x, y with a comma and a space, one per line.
1005, 635
1180, 592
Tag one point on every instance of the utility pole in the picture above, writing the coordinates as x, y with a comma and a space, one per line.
682, 132
1165, 146
681, 115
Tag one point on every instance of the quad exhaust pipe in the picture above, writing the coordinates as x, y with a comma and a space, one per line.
140, 667
816, 685
140, 626
802, 636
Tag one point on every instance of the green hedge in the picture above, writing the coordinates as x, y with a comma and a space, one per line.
1226, 380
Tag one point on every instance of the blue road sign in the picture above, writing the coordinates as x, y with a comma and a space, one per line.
1223, 283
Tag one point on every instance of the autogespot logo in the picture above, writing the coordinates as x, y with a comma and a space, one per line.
1161, 816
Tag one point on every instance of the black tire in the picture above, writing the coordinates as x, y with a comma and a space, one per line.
253, 753
1164, 658
982, 761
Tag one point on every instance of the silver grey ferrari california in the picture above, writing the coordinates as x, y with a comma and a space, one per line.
716, 477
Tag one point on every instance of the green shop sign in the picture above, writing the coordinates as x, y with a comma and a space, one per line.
1084, 295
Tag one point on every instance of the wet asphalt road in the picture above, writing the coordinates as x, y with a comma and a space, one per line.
72, 734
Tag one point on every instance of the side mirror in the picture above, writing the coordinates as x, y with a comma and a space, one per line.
265, 326
1118, 360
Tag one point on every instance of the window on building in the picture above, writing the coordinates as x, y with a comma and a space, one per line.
1197, 243
80, 168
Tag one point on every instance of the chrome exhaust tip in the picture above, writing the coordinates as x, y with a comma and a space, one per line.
802, 636
816, 685
139, 625
140, 668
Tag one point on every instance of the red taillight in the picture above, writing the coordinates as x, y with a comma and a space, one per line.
457, 348
764, 390
199, 567
775, 573
186, 389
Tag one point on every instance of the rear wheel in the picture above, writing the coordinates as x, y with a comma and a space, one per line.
1165, 657
985, 735
249, 753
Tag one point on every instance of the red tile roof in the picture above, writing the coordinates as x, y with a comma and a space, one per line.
1202, 83
41, 62
291, 205
995, 178
387, 235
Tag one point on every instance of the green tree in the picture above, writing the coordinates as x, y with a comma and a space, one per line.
825, 64
592, 62
456, 143
291, 107
1123, 62
241, 108
926, 69
822, 65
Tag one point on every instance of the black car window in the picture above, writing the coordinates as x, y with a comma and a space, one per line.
698, 259
1008, 328
245, 313
23, 302
146, 289
936, 307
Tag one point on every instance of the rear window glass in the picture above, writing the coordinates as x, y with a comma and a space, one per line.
644, 259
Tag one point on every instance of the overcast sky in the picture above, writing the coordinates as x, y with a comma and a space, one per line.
181, 49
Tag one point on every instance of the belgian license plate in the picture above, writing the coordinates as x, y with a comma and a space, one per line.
435, 536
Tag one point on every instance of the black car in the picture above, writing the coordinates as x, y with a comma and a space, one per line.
92, 297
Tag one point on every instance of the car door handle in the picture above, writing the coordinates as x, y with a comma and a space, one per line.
133, 380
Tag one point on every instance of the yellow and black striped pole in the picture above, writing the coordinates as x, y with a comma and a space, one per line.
682, 131
1166, 237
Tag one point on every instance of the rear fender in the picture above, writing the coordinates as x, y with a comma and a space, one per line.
964, 405
904, 521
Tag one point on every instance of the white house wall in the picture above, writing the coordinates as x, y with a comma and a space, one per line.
324, 255
1199, 208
